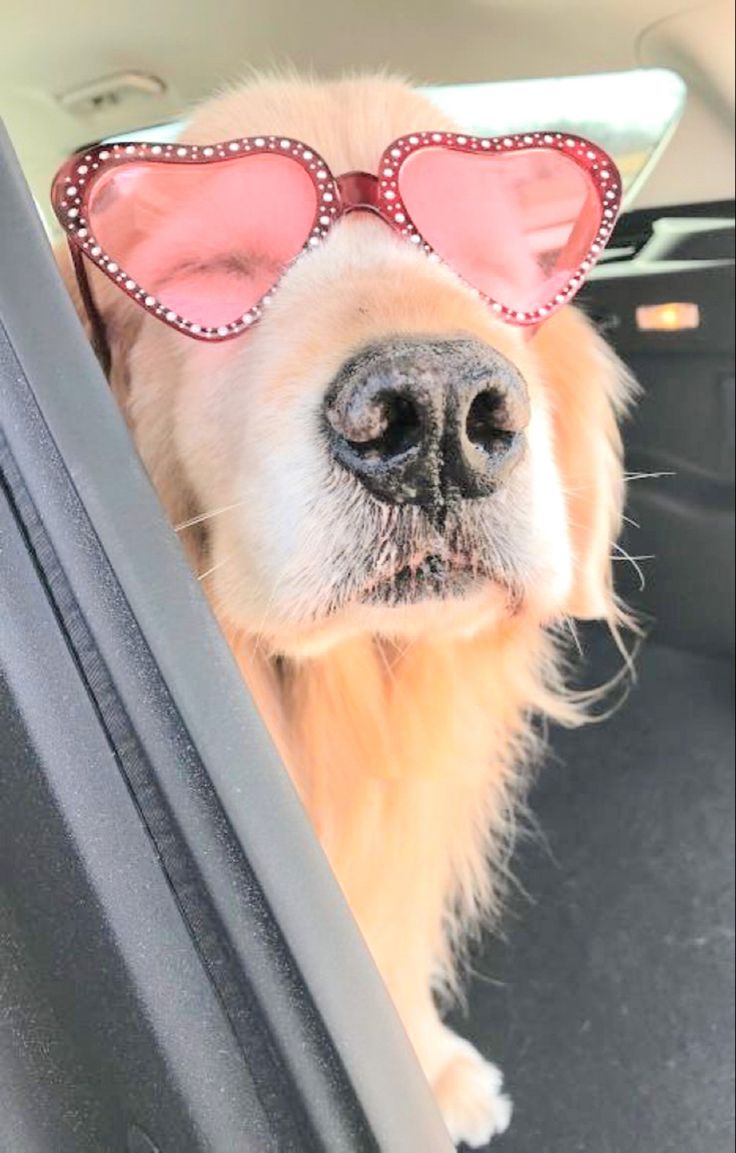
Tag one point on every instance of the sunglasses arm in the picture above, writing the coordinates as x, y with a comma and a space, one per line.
100, 342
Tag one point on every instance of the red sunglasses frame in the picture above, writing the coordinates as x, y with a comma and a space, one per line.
336, 196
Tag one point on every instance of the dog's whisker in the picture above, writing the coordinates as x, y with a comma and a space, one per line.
582, 489
623, 678
629, 476
387, 665
201, 517
213, 568
623, 555
485, 978
632, 556
630, 520
572, 628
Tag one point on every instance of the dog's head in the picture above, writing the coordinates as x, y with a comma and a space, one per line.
381, 453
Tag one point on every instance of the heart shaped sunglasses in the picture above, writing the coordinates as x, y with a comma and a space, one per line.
200, 236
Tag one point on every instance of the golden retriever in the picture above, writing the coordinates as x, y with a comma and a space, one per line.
401, 706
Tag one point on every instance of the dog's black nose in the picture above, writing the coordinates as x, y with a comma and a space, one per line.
428, 421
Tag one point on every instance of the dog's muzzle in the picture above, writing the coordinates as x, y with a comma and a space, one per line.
428, 422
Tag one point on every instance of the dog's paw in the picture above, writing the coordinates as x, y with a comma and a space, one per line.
469, 1093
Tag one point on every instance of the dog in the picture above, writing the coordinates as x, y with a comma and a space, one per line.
398, 656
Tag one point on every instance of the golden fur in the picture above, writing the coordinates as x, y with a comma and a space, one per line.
407, 734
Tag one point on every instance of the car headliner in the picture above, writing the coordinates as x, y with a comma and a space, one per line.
48, 50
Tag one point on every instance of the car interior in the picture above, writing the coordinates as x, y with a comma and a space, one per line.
178, 970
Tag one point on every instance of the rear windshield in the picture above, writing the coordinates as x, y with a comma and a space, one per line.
630, 114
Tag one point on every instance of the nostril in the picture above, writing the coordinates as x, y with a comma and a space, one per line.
427, 422
486, 423
379, 427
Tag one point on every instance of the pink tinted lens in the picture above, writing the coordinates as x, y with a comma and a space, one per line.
208, 240
514, 225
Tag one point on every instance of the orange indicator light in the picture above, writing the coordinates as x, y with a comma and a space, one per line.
672, 317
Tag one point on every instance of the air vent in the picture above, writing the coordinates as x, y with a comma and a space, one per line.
110, 92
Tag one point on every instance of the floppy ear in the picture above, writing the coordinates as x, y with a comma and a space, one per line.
121, 318
590, 391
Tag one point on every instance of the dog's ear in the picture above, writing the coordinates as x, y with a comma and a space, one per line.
590, 392
122, 319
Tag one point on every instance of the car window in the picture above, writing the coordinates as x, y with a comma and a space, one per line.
630, 114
